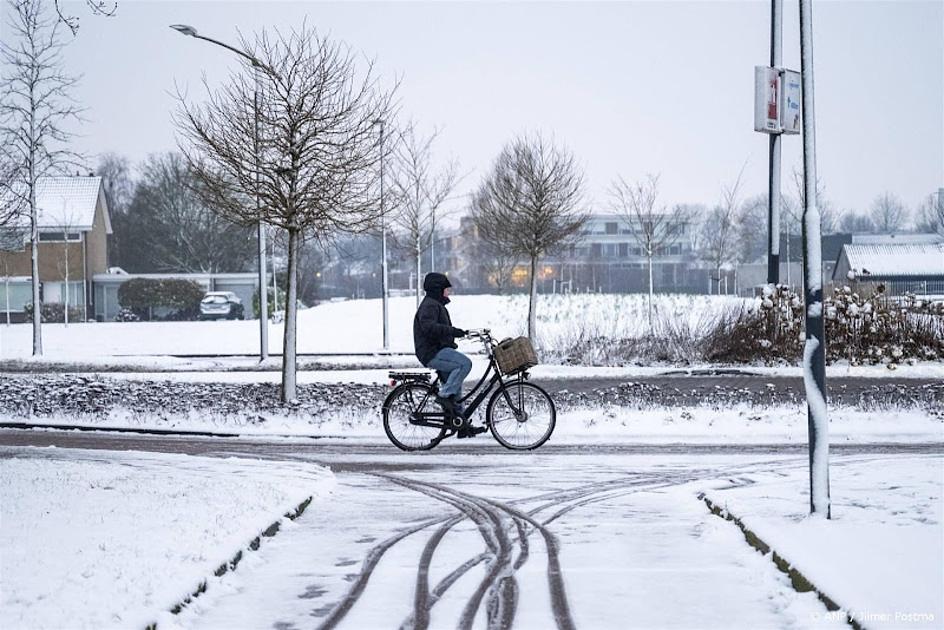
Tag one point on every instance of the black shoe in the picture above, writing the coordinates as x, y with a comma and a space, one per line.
467, 431
447, 404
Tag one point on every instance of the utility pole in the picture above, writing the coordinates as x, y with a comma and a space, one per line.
263, 289
773, 188
257, 66
814, 351
383, 245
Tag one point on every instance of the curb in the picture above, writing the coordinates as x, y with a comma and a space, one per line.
231, 564
800, 582
27, 426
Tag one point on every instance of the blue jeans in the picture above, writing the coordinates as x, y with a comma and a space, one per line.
456, 365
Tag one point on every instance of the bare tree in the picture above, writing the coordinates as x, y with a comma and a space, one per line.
888, 213
752, 229
498, 262
320, 151
118, 185
34, 110
654, 226
931, 214
856, 223
718, 234
530, 203
419, 189
177, 228
66, 261
97, 7
829, 217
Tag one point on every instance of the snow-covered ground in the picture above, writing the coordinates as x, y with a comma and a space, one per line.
609, 424
97, 539
355, 326
221, 372
881, 556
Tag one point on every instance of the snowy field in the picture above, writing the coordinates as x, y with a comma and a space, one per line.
96, 539
610, 424
881, 555
351, 331
355, 326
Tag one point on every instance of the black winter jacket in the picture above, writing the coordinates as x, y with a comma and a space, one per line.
433, 329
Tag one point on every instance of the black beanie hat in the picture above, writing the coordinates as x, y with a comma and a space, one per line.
435, 282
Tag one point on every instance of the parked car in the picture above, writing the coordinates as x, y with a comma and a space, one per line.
221, 305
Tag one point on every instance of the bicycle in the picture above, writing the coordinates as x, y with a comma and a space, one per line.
520, 415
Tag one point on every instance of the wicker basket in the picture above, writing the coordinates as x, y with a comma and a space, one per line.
515, 355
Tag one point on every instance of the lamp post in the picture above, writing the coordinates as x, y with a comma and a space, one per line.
383, 245
261, 239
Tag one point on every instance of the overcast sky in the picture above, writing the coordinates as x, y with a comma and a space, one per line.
629, 87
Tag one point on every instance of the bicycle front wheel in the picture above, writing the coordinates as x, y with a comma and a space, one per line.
400, 412
522, 416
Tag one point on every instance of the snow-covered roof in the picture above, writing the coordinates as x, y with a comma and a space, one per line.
892, 239
906, 259
69, 202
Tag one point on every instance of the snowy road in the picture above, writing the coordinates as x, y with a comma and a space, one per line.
471, 536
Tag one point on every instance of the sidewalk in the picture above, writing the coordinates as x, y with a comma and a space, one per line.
880, 557
99, 539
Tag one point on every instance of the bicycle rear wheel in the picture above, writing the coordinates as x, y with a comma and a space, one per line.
400, 408
527, 422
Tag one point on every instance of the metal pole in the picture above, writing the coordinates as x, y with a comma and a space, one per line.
814, 352
773, 190
275, 283
263, 289
383, 248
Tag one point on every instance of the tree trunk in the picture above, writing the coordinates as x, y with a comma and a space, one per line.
649, 256
289, 363
533, 301
65, 313
419, 280
34, 272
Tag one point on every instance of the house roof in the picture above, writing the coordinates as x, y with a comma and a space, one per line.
69, 202
879, 260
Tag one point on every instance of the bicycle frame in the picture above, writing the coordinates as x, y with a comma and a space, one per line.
437, 419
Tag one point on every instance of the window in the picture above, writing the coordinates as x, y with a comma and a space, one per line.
59, 237
676, 249
596, 250
610, 250
623, 250
612, 228
12, 239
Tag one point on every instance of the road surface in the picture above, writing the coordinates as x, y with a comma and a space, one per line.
472, 536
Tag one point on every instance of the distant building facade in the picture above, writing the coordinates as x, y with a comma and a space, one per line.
74, 225
904, 265
606, 257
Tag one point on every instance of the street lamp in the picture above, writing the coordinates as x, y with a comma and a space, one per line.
383, 245
257, 65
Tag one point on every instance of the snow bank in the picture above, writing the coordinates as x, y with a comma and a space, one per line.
609, 424
880, 555
95, 539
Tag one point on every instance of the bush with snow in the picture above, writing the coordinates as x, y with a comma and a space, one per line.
860, 329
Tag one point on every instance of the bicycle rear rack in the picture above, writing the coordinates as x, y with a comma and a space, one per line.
410, 376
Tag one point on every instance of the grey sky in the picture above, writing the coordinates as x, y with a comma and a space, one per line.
630, 87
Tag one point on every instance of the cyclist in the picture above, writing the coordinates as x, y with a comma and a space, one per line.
434, 340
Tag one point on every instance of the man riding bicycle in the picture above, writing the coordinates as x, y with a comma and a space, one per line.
434, 340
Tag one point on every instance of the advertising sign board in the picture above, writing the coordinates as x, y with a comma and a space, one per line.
790, 106
767, 88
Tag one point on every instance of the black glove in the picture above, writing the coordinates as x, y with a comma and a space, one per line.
458, 332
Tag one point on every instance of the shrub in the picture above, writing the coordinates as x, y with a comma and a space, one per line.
127, 315
869, 329
142, 295
54, 313
271, 299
